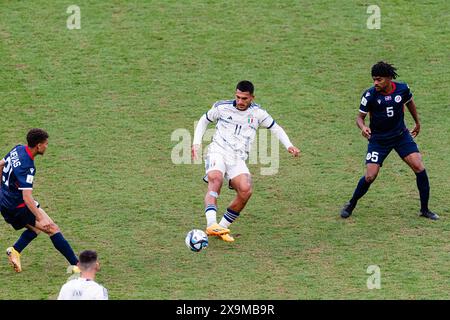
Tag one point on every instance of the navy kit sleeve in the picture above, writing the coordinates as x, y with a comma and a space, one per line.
25, 177
408, 94
364, 104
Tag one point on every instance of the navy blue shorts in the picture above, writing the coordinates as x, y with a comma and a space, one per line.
378, 150
19, 217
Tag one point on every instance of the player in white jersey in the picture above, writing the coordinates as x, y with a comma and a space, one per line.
84, 287
236, 124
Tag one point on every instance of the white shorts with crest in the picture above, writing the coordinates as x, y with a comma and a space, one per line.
230, 164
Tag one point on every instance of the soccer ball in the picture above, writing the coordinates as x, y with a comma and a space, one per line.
196, 240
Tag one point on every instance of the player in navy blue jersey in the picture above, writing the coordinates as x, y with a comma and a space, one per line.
385, 103
17, 205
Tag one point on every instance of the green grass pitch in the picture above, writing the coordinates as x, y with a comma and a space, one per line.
111, 94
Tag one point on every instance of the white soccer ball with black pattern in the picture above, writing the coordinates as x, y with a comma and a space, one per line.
196, 240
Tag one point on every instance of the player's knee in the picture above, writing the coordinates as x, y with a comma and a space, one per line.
215, 180
53, 229
371, 176
418, 167
246, 191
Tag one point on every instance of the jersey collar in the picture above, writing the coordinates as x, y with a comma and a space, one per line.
251, 105
29, 152
394, 86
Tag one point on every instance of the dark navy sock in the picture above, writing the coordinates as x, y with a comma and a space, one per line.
424, 189
64, 247
360, 191
231, 215
24, 240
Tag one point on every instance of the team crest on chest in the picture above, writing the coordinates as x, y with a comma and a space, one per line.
379, 101
398, 99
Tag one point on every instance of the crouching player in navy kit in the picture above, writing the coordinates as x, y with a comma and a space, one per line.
385, 103
17, 205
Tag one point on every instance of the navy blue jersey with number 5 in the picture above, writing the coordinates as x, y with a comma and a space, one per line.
386, 110
18, 174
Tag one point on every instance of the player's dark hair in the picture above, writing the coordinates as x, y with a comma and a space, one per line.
384, 69
36, 136
87, 259
245, 86
88, 256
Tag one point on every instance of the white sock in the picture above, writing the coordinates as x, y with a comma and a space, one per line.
211, 214
224, 223
228, 217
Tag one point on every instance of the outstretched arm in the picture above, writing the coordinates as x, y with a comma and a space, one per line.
283, 137
198, 135
413, 110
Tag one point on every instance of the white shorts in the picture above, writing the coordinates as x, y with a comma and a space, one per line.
230, 166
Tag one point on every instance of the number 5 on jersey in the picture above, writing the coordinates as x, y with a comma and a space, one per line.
373, 156
390, 111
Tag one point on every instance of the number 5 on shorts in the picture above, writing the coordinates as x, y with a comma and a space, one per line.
372, 156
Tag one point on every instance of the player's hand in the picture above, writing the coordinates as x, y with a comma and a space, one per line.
45, 222
294, 151
366, 132
416, 130
194, 151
